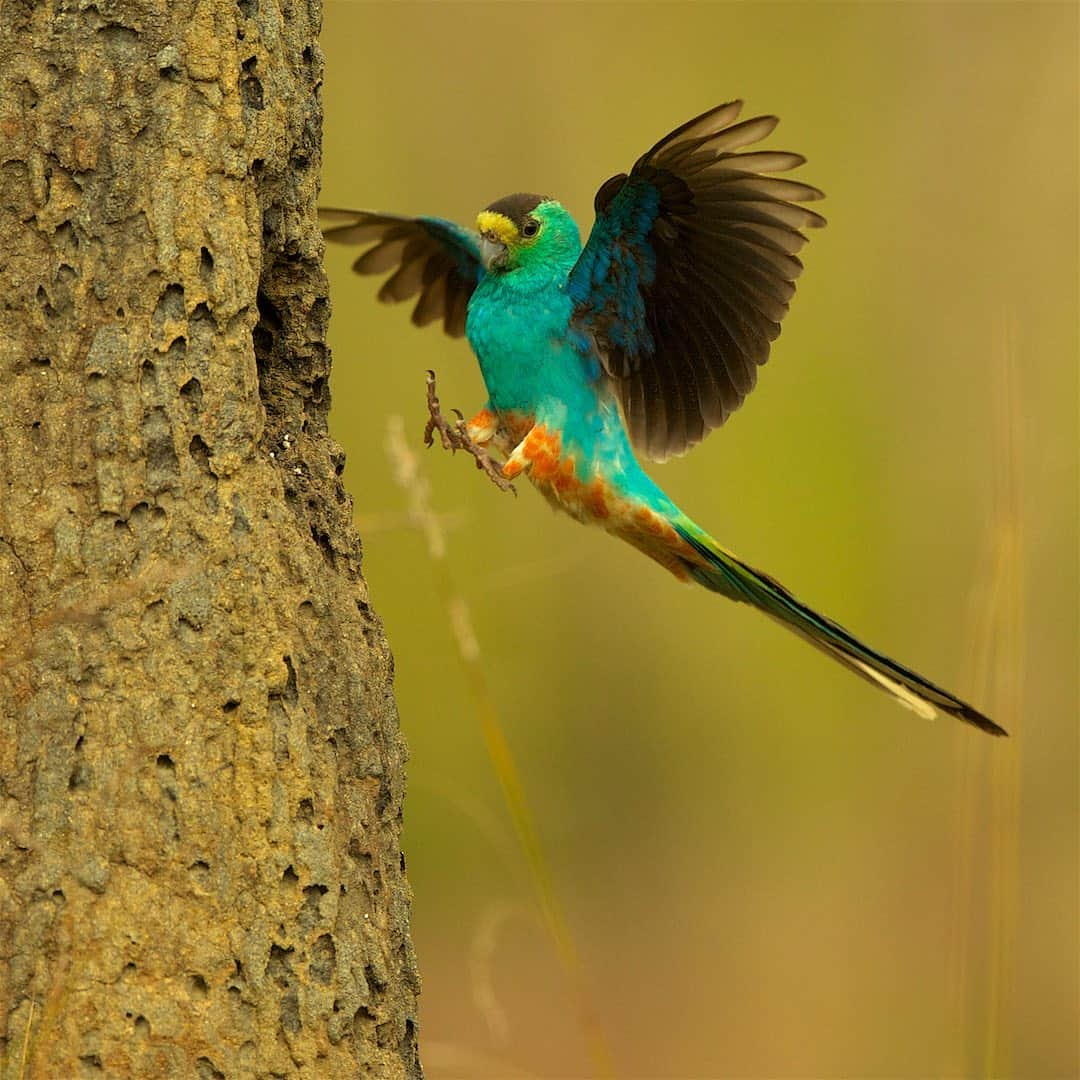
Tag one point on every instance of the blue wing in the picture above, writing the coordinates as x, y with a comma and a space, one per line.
430, 256
687, 273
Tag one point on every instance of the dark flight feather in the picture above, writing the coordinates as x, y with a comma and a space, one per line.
436, 259
688, 272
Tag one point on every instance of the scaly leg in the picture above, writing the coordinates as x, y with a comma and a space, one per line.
459, 436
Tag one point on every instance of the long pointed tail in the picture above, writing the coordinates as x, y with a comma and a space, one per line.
724, 573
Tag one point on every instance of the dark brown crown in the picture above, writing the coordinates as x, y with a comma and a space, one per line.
517, 207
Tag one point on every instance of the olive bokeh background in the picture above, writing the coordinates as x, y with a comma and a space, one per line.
768, 867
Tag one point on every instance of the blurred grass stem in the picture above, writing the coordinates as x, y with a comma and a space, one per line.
996, 663
414, 484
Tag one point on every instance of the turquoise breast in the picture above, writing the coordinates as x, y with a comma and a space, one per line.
533, 364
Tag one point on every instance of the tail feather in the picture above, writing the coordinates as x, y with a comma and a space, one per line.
724, 573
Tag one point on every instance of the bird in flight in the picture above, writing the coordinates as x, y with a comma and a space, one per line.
645, 339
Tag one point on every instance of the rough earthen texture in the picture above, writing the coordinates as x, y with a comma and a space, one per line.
200, 766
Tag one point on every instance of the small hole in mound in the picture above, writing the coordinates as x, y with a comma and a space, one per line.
191, 392
207, 1070
200, 453
197, 986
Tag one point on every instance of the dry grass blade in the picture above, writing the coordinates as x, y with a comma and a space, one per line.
1009, 672
417, 490
985, 860
456, 1060
482, 948
26, 1040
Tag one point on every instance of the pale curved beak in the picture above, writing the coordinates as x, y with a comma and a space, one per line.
492, 252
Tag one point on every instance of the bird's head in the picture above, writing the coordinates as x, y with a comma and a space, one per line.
527, 232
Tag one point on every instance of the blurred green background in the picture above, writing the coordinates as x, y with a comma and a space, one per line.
769, 868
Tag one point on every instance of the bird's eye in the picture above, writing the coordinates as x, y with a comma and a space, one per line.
530, 228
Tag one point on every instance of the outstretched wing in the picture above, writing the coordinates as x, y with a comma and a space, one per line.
435, 258
688, 271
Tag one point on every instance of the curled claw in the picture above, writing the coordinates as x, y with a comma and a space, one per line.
455, 436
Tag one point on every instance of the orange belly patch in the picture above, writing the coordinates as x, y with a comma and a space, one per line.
598, 501
543, 452
513, 427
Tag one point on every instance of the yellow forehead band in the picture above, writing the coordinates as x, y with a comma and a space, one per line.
499, 224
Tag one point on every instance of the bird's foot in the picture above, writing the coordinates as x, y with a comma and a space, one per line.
455, 436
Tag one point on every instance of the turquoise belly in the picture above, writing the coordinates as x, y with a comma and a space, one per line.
534, 366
